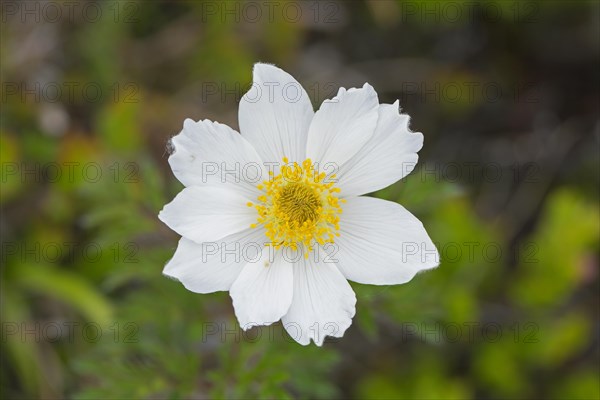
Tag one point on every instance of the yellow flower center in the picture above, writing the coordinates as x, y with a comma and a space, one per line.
298, 207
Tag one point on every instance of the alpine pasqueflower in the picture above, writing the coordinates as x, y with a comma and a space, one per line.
275, 215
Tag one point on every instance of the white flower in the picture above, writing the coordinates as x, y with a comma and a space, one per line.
275, 215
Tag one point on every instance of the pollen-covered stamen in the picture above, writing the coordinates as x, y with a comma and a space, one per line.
298, 203
298, 207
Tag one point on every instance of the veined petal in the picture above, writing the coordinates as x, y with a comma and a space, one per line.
275, 115
387, 157
342, 126
214, 266
208, 213
262, 293
323, 303
381, 243
211, 153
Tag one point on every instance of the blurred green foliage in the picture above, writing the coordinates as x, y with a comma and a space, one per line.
522, 323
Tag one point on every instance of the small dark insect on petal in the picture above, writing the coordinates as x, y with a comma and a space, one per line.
170, 147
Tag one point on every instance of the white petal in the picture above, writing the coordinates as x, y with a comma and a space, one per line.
211, 153
381, 243
323, 302
342, 126
214, 266
208, 213
262, 293
387, 157
275, 115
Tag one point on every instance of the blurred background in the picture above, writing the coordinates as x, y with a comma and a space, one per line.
506, 94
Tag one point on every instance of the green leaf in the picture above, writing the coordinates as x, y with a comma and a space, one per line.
67, 287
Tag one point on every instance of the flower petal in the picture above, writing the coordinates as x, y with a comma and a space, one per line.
208, 213
323, 302
275, 114
214, 266
208, 152
387, 157
381, 243
262, 293
342, 126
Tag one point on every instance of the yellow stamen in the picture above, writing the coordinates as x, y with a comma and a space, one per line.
298, 208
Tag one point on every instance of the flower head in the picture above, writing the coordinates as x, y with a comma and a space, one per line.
276, 215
